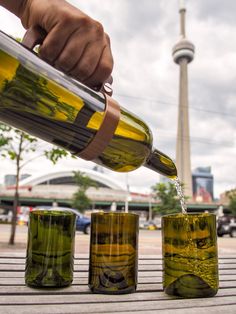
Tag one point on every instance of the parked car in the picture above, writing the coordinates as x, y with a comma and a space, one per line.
3, 218
83, 223
232, 231
5, 215
148, 225
226, 225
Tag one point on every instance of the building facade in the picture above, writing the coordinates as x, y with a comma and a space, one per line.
59, 187
203, 185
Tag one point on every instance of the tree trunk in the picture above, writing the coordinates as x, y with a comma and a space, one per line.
16, 196
14, 218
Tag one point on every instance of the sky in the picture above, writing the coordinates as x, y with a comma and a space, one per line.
146, 81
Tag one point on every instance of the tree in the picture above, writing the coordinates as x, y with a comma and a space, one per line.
232, 201
80, 200
169, 201
17, 145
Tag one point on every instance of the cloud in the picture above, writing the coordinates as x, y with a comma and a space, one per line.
216, 11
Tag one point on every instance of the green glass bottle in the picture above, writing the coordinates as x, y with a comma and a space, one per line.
44, 102
190, 262
50, 248
113, 262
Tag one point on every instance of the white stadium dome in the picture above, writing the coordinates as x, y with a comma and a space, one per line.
94, 175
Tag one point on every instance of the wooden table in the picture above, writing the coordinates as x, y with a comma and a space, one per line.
17, 298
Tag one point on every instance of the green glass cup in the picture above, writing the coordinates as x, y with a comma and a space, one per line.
50, 248
113, 262
190, 260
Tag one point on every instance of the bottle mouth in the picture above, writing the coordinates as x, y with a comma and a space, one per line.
161, 163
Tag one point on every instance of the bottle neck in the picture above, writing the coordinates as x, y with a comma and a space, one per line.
161, 163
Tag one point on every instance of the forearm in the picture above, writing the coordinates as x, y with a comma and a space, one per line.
14, 6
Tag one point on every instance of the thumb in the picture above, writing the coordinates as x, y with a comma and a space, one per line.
34, 36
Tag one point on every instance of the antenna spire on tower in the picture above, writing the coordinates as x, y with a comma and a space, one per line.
182, 5
182, 11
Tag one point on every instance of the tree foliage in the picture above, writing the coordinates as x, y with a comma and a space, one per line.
232, 201
22, 148
167, 195
55, 154
80, 200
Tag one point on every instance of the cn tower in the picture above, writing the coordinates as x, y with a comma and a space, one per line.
183, 54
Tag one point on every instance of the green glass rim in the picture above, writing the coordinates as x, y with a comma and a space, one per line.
192, 214
120, 214
52, 212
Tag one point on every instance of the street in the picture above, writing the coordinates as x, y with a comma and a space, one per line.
149, 242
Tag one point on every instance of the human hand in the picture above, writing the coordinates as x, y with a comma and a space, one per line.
72, 41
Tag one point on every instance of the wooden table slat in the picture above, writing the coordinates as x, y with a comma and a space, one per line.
76, 297
123, 306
